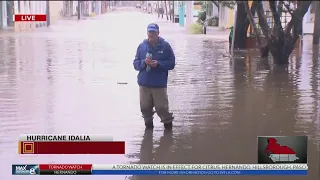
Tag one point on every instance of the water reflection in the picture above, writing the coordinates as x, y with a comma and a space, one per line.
50, 89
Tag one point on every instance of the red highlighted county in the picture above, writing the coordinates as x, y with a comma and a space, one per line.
278, 153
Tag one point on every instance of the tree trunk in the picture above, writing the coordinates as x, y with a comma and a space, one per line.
253, 12
251, 21
281, 43
316, 29
240, 31
242, 24
297, 29
216, 3
166, 8
275, 43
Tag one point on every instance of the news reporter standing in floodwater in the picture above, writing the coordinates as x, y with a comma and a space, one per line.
154, 58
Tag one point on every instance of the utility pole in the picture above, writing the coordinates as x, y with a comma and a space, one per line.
48, 13
166, 9
316, 29
158, 7
173, 13
79, 10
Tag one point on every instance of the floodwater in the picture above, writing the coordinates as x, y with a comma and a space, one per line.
65, 80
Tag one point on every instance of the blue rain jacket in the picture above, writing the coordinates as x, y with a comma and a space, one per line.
163, 53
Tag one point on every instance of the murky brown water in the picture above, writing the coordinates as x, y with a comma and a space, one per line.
64, 80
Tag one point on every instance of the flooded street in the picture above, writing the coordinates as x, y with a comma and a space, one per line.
65, 80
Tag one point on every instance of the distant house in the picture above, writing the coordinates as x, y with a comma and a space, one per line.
212, 10
69, 8
29, 7
196, 8
87, 8
9, 8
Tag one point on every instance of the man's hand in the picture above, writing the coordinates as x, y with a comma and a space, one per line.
154, 63
148, 60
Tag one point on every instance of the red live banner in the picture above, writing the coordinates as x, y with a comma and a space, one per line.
71, 147
29, 17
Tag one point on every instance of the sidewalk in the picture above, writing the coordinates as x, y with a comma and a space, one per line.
212, 32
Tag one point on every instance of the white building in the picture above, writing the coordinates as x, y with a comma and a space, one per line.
87, 8
57, 9
35, 7
29, 7
212, 10
69, 8
308, 19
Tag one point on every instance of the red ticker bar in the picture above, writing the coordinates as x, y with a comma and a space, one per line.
91, 147
65, 166
65, 169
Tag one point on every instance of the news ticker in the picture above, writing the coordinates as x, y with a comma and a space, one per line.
69, 144
160, 169
271, 149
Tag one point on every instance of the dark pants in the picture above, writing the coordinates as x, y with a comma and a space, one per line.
158, 98
230, 43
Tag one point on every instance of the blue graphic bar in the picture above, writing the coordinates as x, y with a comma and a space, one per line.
202, 172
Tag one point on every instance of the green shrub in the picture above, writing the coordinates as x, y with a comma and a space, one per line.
196, 28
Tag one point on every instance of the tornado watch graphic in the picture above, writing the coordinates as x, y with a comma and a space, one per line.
282, 149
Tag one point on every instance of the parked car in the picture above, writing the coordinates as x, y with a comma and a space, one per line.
138, 6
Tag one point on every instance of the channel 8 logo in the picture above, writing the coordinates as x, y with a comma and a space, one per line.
25, 169
32, 171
